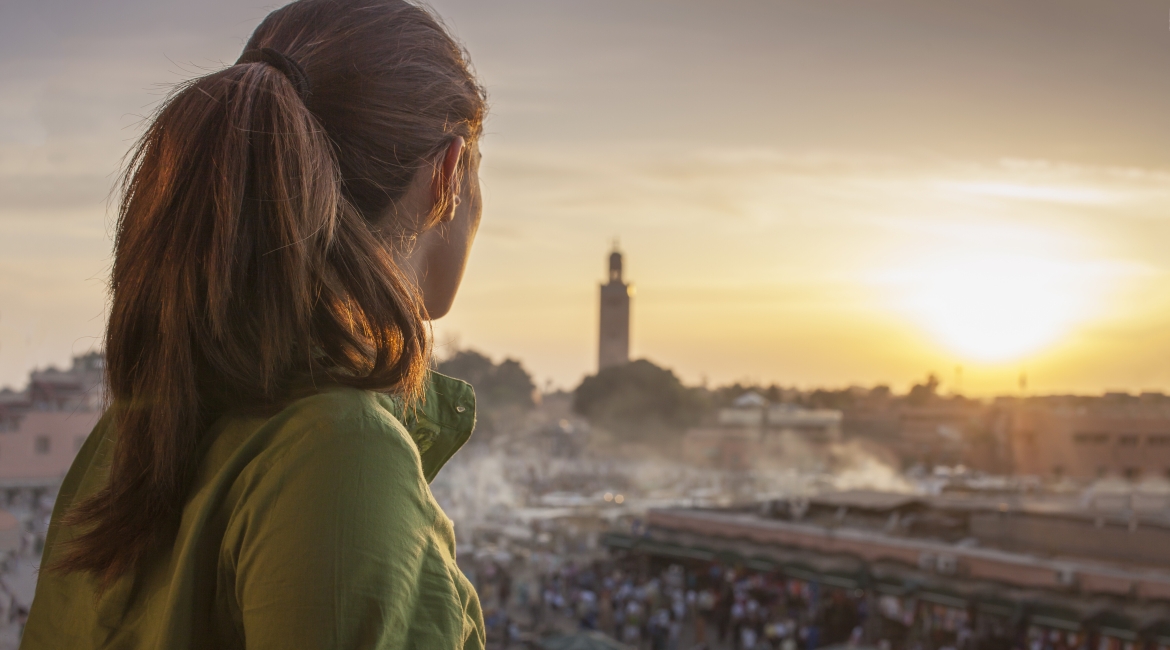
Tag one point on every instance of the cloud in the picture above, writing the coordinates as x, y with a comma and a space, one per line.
1054, 194
53, 196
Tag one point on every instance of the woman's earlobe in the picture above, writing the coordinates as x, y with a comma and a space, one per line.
449, 213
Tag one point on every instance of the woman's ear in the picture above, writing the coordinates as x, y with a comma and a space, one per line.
446, 181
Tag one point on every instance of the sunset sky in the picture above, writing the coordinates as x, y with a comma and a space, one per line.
809, 192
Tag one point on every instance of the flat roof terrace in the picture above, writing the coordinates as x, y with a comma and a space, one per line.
767, 539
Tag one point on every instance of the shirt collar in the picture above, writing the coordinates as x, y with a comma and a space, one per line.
440, 423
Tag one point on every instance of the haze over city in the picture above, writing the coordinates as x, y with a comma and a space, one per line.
807, 193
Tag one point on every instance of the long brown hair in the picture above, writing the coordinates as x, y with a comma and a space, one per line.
253, 253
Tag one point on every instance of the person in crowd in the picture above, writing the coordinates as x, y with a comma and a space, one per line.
659, 629
515, 634
747, 639
674, 637
706, 615
632, 631
504, 586
288, 226
738, 614
587, 609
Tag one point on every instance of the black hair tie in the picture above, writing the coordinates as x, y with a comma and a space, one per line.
290, 68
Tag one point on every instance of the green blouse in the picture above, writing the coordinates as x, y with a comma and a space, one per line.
313, 528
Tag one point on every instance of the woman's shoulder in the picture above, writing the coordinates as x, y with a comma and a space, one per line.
340, 406
336, 429
340, 416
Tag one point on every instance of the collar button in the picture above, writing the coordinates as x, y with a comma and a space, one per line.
460, 408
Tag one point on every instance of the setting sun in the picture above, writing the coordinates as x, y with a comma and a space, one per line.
995, 308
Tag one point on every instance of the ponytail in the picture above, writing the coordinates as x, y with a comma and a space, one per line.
243, 273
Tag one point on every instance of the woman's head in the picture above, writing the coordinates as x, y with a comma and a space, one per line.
387, 84
275, 235
395, 94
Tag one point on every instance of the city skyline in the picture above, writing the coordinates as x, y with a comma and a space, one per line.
806, 197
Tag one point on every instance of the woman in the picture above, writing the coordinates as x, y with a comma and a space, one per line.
288, 226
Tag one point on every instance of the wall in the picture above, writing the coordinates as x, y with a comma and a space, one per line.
44, 444
1073, 536
1090, 443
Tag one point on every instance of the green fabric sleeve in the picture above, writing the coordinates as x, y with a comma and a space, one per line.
336, 542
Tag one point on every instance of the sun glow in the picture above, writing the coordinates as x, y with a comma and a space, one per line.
997, 308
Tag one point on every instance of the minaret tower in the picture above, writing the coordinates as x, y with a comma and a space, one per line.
613, 348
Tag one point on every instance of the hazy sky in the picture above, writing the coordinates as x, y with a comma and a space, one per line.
808, 191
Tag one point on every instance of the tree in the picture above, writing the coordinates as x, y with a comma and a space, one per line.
638, 398
823, 398
923, 393
496, 385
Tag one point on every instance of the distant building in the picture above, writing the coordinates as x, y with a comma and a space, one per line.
753, 431
1053, 437
730, 448
43, 426
816, 425
613, 348
1115, 436
935, 431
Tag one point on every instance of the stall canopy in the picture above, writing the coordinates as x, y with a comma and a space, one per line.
1115, 625
1055, 617
582, 641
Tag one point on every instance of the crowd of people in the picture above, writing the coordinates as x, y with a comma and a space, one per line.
670, 607
18, 566
649, 604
